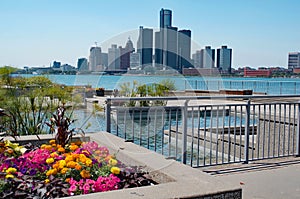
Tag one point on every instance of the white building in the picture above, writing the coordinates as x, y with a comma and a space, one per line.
113, 58
294, 60
224, 57
95, 63
134, 61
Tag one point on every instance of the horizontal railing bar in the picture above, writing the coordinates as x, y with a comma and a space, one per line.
202, 97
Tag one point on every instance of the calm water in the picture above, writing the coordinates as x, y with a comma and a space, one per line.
267, 85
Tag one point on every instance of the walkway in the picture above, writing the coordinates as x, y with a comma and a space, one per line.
276, 178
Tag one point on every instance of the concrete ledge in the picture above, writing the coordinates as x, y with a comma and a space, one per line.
175, 179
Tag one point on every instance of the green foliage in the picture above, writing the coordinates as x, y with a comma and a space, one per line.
28, 102
151, 90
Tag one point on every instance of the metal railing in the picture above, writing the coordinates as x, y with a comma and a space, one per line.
268, 87
201, 131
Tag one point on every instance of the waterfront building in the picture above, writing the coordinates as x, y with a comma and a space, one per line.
172, 47
82, 64
134, 60
145, 45
104, 59
125, 55
184, 49
165, 18
224, 57
208, 57
197, 59
56, 64
257, 73
95, 59
113, 58
294, 60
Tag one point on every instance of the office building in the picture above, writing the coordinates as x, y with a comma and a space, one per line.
197, 58
294, 60
172, 47
165, 18
134, 60
104, 60
95, 59
184, 49
145, 45
56, 64
125, 55
208, 57
224, 57
82, 64
113, 58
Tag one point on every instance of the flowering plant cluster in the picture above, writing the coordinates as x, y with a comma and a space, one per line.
82, 167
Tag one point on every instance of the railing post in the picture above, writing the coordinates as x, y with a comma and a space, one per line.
298, 131
107, 115
184, 131
247, 131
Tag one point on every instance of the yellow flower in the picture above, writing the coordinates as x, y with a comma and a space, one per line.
51, 172
11, 170
78, 167
82, 158
53, 155
88, 162
69, 158
48, 147
113, 162
43, 146
85, 174
47, 181
61, 149
64, 170
115, 170
62, 164
49, 160
52, 141
9, 176
71, 164
73, 147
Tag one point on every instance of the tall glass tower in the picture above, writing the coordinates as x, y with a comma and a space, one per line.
165, 18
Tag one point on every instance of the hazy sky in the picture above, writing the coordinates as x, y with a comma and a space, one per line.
37, 32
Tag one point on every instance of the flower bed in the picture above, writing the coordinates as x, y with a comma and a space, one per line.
51, 170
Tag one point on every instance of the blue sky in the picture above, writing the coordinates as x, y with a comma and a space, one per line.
37, 32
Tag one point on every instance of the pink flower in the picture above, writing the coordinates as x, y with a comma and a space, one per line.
72, 189
86, 188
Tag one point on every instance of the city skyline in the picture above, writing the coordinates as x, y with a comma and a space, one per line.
35, 33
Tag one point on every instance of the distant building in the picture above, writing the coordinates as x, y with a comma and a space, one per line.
208, 57
125, 55
197, 58
165, 18
184, 49
257, 73
134, 60
82, 64
224, 57
200, 71
145, 45
113, 58
67, 68
294, 60
172, 47
95, 59
56, 64
104, 60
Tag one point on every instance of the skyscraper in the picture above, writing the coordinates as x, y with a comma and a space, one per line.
113, 58
208, 57
172, 47
184, 49
224, 57
197, 58
294, 60
95, 59
165, 18
145, 45
125, 55
82, 64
